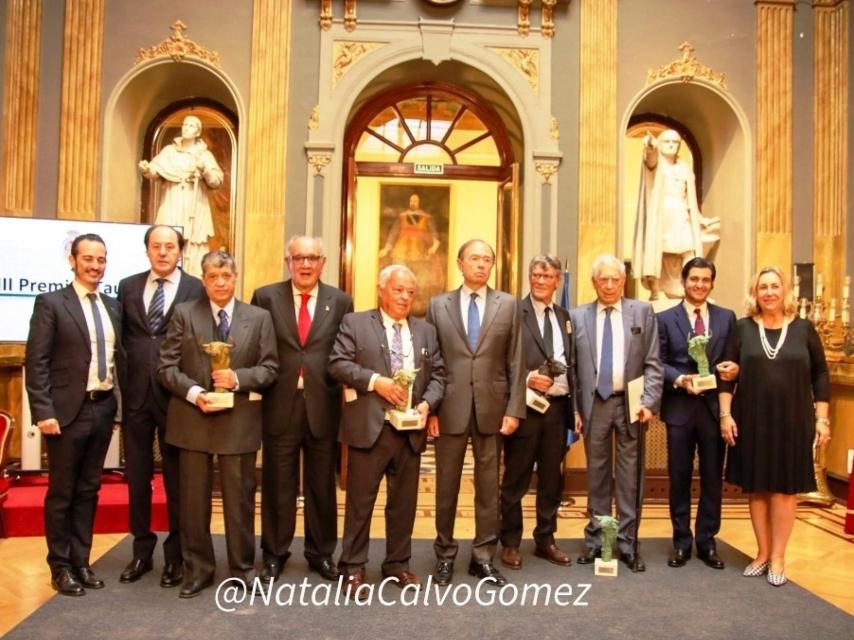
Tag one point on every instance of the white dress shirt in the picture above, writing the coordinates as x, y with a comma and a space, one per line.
405, 341
92, 382
560, 387
618, 341
170, 289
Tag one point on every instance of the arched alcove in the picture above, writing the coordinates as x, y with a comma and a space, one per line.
137, 98
722, 134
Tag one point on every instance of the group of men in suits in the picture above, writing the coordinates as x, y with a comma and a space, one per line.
484, 367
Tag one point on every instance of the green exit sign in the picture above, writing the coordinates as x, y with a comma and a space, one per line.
429, 168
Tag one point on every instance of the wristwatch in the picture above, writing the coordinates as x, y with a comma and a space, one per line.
824, 421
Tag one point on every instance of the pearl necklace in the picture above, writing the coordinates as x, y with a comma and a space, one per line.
772, 352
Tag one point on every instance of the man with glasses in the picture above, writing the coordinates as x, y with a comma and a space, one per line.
301, 412
479, 333
616, 341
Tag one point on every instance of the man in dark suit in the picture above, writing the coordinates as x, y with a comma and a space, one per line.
201, 429
691, 414
371, 347
616, 341
541, 437
147, 300
301, 412
479, 333
74, 365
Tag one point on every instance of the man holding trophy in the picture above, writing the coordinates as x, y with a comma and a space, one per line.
218, 355
394, 377
692, 336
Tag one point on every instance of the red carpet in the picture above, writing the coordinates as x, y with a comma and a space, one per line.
22, 511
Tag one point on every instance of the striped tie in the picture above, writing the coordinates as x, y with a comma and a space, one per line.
155, 307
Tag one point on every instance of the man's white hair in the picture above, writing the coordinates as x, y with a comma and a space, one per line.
299, 237
607, 260
388, 271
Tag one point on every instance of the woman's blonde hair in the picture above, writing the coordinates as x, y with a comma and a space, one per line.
790, 305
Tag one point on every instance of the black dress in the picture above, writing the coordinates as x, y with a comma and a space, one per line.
773, 407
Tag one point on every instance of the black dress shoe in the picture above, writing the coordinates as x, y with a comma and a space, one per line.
66, 583
444, 572
173, 575
589, 556
326, 568
88, 578
633, 562
679, 557
487, 572
194, 587
135, 570
711, 559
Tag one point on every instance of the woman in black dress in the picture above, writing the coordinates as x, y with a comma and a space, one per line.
774, 415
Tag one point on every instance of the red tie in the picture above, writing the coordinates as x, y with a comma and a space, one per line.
699, 325
304, 324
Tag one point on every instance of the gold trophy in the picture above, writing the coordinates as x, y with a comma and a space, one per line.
403, 417
705, 379
220, 397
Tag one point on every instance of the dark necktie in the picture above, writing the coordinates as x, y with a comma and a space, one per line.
224, 328
473, 322
155, 307
99, 337
548, 336
304, 321
699, 325
605, 387
396, 349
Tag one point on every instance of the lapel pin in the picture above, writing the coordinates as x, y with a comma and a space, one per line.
568, 327
326, 308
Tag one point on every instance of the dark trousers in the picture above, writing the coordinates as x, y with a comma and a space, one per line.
391, 457
237, 479
280, 485
611, 446
139, 430
703, 436
450, 453
75, 464
542, 441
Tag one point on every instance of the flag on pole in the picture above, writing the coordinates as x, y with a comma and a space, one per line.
571, 436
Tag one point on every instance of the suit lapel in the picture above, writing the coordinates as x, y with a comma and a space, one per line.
590, 328
75, 310
490, 310
628, 311
288, 311
530, 318
715, 327
322, 311
563, 322
682, 321
379, 330
239, 332
452, 305
418, 342
113, 311
136, 301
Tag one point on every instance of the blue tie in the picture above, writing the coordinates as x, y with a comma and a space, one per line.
224, 329
605, 387
473, 322
396, 349
100, 340
155, 307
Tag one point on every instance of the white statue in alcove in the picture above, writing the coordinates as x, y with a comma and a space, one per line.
670, 230
189, 170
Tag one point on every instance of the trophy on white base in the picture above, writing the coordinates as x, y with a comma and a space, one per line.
705, 379
220, 397
535, 400
607, 564
403, 417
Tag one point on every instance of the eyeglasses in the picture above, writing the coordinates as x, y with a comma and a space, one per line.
487, 260
311, 259
543, 276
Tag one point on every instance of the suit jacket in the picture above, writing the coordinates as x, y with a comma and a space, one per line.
361, 350
322, 392
183, 364
141, 345
59, 352
535, 349
640, 354
493, 376
674, 329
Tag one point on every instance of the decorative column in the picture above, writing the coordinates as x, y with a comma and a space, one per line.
830, 140
80, 110
774, 133
264, 215
20, 106
597, 140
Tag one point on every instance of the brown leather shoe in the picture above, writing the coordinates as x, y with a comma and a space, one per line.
511, 558
352, 584
404, 578
553, 555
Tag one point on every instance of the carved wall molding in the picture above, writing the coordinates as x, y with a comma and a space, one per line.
325, 14
346, 53
548, 20
686, 68
177, 46
319, 161
554, 128
350, 15
546, 169
80, 110
22, 56
314, 118
523, 17
525, 61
